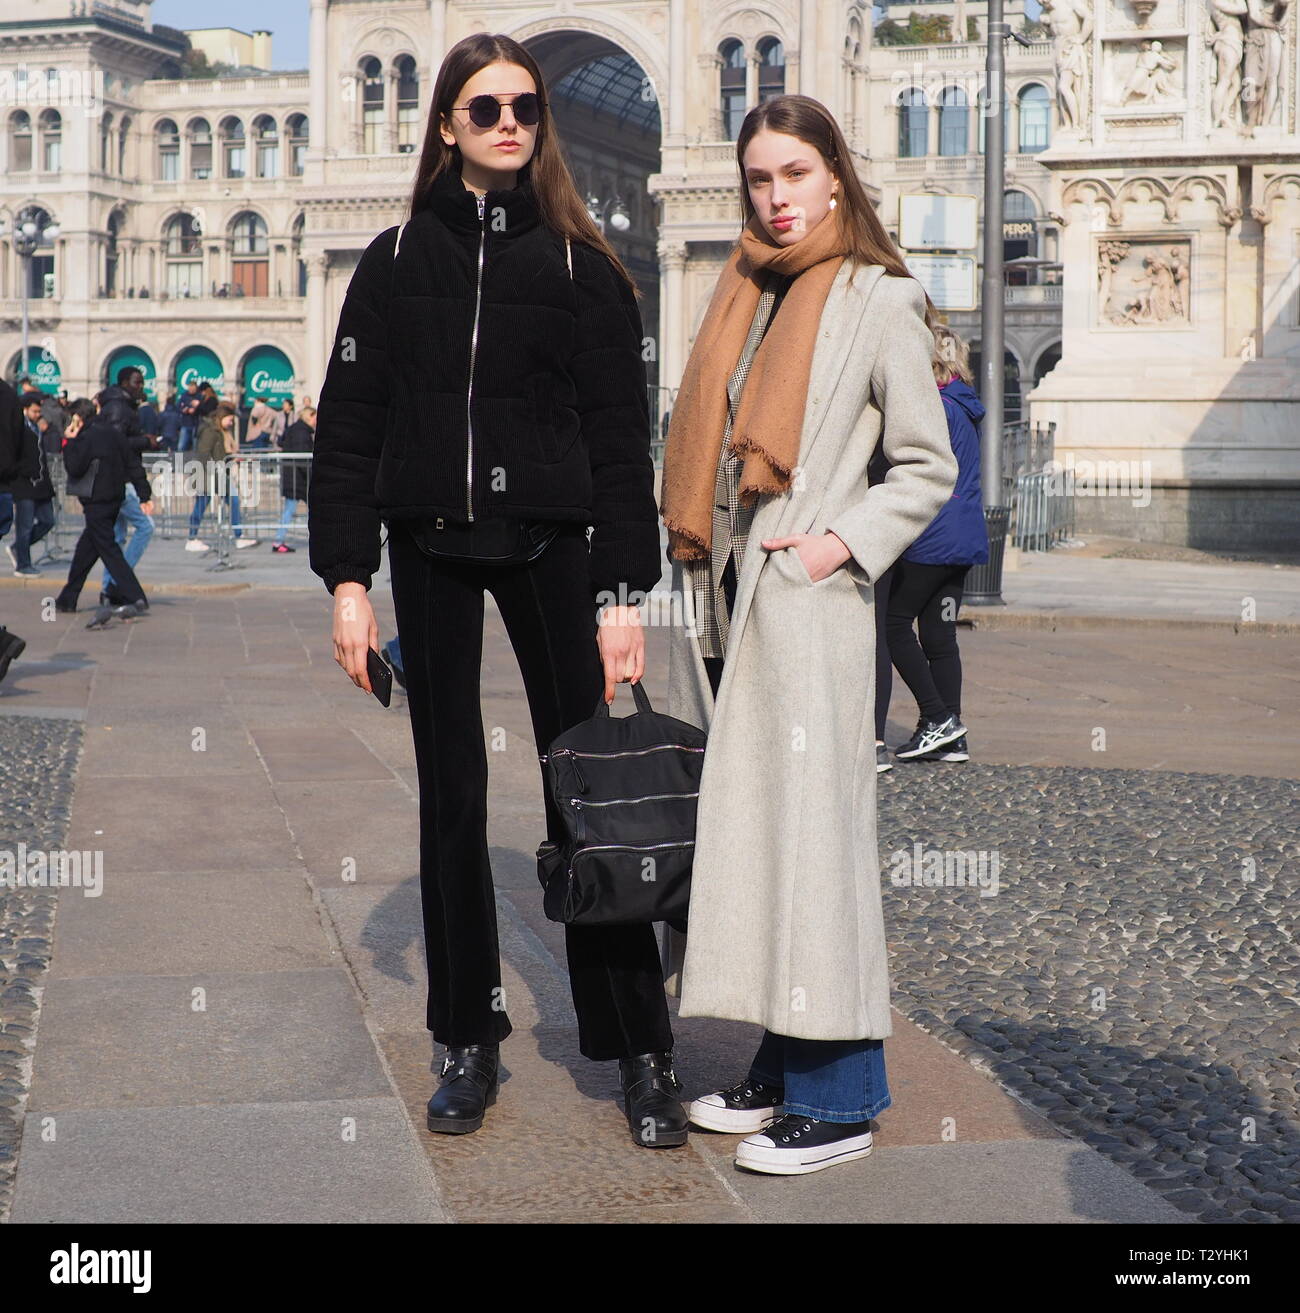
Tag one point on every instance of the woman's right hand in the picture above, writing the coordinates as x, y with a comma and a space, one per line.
355, 631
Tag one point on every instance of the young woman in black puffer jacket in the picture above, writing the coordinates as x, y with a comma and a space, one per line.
483, 368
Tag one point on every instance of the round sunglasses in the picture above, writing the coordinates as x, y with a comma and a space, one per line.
484, 111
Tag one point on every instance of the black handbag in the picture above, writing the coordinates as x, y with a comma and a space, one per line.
498, 539
84, 484
626, 788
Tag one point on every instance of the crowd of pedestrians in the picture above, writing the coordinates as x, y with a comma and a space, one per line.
100, 443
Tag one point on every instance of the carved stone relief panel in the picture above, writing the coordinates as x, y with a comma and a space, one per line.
1144, 283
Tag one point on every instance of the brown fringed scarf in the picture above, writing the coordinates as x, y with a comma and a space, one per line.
769, 422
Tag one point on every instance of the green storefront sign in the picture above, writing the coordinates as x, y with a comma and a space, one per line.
267, 373
196, 364
42, 369
141, 360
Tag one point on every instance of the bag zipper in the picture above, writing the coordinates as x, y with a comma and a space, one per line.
631, 847
647, 797
473, 351
627, 752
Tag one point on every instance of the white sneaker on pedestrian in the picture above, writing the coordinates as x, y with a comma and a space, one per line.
197, 545
794, 1145
246, 542
13, 560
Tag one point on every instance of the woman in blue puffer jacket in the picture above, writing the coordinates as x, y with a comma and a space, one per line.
929, 576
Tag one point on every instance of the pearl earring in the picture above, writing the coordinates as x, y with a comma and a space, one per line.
832, 204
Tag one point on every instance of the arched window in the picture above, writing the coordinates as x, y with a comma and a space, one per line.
234, 161
372, 105
105, 139
20, 141
266, 141
111, 253
1035, 118
771, 69
408, 105
913, 124
167, 145
953, 131
123, 130
297, 129
200, 134
51, 141
732, 54
251, 254
183, 255
1019, 237
1047, 362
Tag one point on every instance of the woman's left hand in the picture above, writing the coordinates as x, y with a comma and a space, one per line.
821, 553
621, 641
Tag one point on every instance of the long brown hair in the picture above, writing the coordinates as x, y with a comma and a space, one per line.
561, 208
814, 124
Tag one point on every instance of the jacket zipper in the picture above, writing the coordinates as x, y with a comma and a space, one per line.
473, 350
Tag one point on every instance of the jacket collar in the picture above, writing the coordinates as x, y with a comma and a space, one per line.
457, 207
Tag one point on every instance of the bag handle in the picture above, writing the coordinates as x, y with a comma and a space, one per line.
638, 692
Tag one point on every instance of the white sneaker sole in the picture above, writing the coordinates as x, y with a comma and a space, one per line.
933, 747
777, 1161
730, 1121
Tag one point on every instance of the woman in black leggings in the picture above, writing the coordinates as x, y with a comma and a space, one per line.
928, 577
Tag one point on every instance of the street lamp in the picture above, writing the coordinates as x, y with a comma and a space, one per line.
618, 219
985, 588
27, 237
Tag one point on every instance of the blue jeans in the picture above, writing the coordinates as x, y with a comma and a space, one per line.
142, 525
201, 505
187, 437
290, 510
32, 521
833, 1080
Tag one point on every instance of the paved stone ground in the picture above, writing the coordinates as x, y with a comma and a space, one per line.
234, 1031
1131, 971
37, 768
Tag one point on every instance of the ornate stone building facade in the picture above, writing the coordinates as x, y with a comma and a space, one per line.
238, 206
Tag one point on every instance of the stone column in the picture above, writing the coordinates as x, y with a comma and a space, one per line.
672, 312
320, 72
319, 332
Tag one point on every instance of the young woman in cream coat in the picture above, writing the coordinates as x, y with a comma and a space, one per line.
786, 927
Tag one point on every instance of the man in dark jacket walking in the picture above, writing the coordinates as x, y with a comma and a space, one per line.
118, 463
31, 489
126, 405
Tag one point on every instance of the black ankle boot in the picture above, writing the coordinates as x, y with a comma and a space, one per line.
468, 1086
654, 1111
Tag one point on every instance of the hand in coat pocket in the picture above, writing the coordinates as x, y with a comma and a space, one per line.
820, 554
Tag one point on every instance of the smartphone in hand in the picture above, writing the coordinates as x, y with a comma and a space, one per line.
381, 677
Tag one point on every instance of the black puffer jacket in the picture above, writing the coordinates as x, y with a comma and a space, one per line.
553, 424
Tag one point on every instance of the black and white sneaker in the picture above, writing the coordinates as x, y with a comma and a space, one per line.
930, 735
955, 751
743, 1108
882, 759
794, 1145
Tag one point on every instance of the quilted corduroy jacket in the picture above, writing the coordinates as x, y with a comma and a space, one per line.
471, 375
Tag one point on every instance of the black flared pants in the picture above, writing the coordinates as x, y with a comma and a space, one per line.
550, 617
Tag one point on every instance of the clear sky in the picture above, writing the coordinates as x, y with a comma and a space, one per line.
287, 21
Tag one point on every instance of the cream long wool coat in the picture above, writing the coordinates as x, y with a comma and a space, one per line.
786, 926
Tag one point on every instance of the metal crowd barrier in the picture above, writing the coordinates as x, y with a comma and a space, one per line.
1042, 511
255, 478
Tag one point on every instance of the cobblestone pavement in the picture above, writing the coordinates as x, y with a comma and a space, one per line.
38, 762
1133, 977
